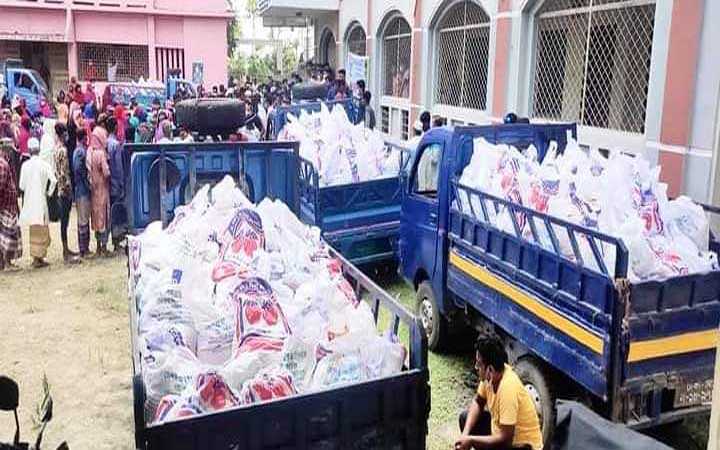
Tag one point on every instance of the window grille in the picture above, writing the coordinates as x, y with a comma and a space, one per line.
463, 41
396, 58
356, 41
328, 49
592, 62
405, 132
98, 62
167, 60
385, 119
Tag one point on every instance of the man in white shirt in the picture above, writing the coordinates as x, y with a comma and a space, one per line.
37, 181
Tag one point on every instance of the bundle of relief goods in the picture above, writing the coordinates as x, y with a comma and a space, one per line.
238, 304
620, 196
341, 153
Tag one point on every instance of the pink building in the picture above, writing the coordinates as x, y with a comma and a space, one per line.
121, 39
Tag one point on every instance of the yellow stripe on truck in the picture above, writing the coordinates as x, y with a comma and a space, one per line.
672, 345
530, 303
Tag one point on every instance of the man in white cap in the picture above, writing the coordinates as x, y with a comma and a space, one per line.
37, 181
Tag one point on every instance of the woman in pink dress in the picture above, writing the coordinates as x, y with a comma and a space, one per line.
99, 175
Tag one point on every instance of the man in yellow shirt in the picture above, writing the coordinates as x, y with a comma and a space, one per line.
510, 421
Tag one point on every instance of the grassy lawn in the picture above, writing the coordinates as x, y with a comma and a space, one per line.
452, 380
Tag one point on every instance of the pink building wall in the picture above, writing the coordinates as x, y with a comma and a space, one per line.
205, 37
197, 27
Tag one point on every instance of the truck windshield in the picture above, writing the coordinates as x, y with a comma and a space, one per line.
41, 82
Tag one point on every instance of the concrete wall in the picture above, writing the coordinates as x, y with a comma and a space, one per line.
211, 48
701, 157
198, 27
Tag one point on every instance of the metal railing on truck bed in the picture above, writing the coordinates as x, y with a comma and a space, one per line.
562, 290
279, 118
388, 412
264, 169
361, 220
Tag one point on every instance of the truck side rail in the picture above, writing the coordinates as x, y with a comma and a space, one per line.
190, 153
309, 183
492, 208
392, 408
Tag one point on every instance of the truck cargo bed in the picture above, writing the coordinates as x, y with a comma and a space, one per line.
639, 346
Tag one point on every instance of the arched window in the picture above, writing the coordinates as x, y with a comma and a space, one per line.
356, 40
463, 41
592, 62
396, 58
328, 49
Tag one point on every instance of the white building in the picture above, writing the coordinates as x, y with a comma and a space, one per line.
636, 74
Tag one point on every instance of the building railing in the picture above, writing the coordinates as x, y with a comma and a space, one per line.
94, 3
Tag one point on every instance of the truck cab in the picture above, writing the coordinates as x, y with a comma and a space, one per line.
26, 84
640, 353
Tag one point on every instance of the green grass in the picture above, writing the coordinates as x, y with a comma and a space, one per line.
451, 378
452, 384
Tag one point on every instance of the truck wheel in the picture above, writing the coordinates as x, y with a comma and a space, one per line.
436, 326
538, 384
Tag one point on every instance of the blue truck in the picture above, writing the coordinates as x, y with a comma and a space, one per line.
639, 353
28, 84
389, 412
361, 220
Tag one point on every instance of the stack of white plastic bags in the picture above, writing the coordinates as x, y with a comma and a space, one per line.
341, 153
620, 196
239, 304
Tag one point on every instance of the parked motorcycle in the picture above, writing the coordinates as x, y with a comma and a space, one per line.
9, 400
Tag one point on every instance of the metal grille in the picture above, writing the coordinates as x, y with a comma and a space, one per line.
167, 59
328, 49
396, 58
128, 62
356, 41
385, 119
593, 62
463, 42
405, 124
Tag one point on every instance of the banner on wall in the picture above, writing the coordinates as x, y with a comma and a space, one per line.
356, 67
197, 72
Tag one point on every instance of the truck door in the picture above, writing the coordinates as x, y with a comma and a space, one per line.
419, 223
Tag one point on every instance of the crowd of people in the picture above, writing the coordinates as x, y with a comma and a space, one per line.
77, 157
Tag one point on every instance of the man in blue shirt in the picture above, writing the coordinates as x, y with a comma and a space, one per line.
82, 192
117, 186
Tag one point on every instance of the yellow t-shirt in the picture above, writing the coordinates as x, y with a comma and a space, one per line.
512, 405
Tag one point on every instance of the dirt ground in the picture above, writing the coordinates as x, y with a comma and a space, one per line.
70, 323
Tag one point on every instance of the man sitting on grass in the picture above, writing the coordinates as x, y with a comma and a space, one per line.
510, 421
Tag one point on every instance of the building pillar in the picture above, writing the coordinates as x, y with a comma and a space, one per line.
680, 78
152, 69
369, 43
503, 34
416, 72
72, 50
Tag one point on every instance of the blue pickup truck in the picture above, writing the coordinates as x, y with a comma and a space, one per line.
389, 412
640, 353
28, 84
361, 220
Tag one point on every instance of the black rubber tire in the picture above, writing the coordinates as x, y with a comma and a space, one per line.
436, 325
309, 91
211, 116
532, 374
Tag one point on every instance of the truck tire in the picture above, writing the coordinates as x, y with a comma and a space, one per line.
211, 116
309, 91
538, 383
435, 324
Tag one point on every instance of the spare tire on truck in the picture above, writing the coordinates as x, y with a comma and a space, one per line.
211, 116
310, 91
